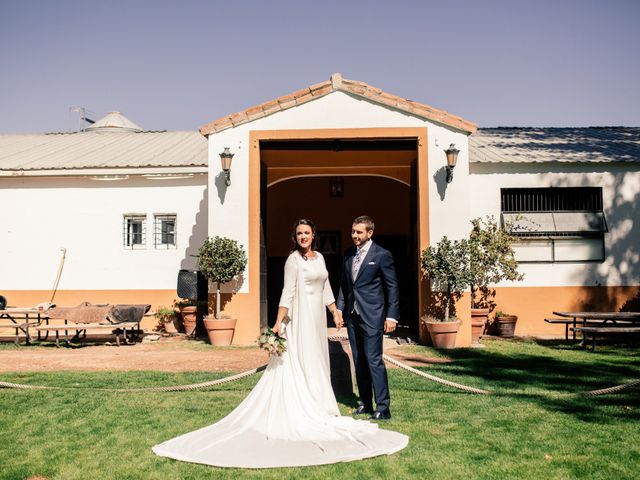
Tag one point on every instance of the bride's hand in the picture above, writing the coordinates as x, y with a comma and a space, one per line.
277, 328
337, 319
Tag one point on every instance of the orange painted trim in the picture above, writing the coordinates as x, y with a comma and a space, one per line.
377, 133
419, 133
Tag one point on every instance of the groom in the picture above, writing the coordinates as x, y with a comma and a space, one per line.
368, 300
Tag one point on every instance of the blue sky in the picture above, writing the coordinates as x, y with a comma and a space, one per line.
177, 65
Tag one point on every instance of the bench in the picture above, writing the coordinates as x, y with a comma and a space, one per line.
593, 331
20, 326
570, 321
133, 327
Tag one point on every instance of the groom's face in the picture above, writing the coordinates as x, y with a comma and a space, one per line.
360, 234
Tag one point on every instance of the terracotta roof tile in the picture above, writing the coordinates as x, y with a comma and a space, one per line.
318, 92
337, 83
271, 107
304, 98
239, 118
320, 86
287, 101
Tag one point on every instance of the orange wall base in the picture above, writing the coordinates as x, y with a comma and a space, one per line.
533, 304
239, 306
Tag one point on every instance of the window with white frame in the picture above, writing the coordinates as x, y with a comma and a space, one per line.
562, 224
134, 232
164, 230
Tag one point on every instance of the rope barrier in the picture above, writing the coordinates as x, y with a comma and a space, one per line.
415, 371
433, 378
238, 376
614, 389
174, 388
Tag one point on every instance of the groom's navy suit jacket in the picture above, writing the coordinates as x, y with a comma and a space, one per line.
374, 291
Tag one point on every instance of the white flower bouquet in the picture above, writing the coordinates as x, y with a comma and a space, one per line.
272, 342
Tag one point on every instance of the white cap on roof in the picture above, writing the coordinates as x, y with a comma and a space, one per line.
114, 121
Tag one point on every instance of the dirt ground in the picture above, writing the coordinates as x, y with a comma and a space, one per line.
171, 354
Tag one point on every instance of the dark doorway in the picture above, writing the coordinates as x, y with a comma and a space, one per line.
390, 207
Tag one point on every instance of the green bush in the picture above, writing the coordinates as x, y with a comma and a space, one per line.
221, 260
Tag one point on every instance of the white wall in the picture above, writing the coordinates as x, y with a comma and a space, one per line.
621, 188
228, 208
41, 215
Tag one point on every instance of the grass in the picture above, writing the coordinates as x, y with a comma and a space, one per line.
532, 427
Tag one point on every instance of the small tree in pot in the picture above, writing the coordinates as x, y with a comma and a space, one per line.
447, 265
221, 260
492, 260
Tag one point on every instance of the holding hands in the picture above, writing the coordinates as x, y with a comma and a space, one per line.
337, 319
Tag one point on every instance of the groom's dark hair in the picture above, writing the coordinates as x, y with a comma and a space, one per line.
367, 221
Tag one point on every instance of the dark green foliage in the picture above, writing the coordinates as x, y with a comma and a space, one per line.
447, 265
221, 259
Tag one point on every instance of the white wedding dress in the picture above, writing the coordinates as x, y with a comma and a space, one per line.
291, 417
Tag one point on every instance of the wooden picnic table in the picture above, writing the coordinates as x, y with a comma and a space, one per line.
605, 318
21, 319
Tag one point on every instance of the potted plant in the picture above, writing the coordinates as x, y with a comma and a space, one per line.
221, 260
167, 320
492, 260
505, 324
189, 313
447, 266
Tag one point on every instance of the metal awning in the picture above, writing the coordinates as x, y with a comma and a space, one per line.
555, 223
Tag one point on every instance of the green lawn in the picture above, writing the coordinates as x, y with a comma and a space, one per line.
532, 427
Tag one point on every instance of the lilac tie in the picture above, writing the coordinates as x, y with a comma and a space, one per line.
357, 261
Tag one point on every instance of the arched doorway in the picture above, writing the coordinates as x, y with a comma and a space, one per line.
391, 203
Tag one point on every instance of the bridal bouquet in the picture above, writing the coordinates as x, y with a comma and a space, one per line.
272, 342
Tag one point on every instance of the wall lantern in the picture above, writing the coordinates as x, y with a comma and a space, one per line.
336, 187
452, 157
225, 160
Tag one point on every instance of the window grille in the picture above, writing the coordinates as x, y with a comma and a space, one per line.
563, 199
164, 231
558, 224
134, 232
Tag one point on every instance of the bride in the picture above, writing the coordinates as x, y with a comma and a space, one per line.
291, 417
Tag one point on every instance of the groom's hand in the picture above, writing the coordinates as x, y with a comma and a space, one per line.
389, 326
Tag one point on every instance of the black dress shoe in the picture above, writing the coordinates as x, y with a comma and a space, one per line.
362, 410
386, 415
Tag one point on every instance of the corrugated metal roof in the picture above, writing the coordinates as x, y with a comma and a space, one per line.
101, 149
525, 145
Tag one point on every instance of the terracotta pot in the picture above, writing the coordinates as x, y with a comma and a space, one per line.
479, 318
171, 325
189, 318
506, 325
220, 331
443, 334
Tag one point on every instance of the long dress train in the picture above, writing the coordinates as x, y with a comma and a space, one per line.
291, 416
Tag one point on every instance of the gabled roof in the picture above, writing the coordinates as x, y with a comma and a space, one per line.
337, 83
526, 145
104, 149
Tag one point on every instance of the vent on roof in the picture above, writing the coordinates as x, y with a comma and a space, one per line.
114, 122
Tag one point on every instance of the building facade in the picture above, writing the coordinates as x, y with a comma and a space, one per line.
135, 213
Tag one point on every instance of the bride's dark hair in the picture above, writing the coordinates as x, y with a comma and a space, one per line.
296, 246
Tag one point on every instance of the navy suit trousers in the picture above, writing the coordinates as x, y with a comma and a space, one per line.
371, 374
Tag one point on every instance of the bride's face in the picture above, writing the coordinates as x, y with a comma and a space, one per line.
304, 236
